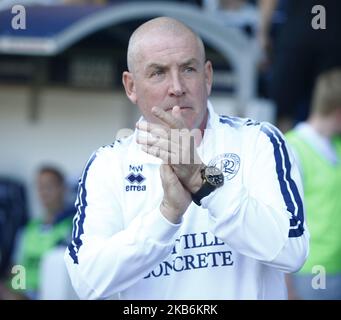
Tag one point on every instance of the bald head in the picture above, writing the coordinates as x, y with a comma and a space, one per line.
162, 26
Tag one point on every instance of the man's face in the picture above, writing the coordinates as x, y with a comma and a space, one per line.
51, 191
170, 71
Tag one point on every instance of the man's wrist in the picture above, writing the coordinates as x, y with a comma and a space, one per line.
196, 181
169, 213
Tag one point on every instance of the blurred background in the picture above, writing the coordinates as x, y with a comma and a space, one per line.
61, 96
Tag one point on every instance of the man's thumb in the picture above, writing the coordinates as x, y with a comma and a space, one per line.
176, 113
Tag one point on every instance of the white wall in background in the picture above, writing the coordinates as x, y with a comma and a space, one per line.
71, 125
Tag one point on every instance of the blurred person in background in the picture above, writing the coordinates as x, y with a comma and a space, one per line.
298, 53
317, 145
42, 234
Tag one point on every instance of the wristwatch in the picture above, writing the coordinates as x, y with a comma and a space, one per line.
212, 178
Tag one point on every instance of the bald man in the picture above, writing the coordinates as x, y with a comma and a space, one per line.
193, 205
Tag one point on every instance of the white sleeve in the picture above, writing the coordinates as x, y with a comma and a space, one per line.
106, 257
262, 215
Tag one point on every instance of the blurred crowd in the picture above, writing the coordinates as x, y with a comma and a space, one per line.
36, 236
300, 71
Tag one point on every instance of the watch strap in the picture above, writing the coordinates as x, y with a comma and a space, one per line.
204, 191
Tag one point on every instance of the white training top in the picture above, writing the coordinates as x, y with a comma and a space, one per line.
235, 246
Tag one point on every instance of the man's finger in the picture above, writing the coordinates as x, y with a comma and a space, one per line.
153, 128
176, 114
168, 118
164, 144
158, 153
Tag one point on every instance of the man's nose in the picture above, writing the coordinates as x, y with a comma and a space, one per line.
176, 86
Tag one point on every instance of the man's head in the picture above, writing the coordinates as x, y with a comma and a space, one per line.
51, 188
326, 102
166, 62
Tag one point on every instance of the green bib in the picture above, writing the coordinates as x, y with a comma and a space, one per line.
36, 242
322, 198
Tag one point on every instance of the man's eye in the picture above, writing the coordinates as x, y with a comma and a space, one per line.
156, 73
189, 69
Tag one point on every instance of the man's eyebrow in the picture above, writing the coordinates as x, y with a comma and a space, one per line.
190, 61
155, 66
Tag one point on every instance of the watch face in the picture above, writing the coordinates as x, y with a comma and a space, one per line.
214, 176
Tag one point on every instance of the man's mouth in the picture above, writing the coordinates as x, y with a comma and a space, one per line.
181, 108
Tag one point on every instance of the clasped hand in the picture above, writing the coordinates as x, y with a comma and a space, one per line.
175, 144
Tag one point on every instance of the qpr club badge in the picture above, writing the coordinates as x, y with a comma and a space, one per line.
228, 163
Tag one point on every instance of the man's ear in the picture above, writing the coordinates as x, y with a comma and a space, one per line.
208, 76
129, 86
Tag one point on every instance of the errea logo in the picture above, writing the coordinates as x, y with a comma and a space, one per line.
135, 179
